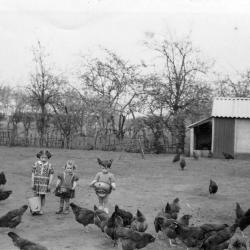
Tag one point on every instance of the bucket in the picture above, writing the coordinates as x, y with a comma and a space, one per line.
34, 204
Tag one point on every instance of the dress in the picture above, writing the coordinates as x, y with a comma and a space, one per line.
66, 181
42, 172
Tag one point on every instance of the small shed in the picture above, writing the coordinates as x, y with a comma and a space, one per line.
226, 130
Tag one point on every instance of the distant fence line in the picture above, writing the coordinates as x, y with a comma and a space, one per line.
107, 143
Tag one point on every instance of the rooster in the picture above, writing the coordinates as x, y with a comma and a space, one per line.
2, 179
227, 156
5, 194
105, 163
13, 218
139, 223
82, 215
132, 239
213, 187
126, 216
24, 244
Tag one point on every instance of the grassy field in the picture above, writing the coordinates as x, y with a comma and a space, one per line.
145, 184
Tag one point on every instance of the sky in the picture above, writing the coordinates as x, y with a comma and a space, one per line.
69, 29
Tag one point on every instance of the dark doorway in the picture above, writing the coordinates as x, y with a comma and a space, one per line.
203, 136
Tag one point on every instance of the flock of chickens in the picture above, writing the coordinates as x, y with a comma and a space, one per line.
130, 230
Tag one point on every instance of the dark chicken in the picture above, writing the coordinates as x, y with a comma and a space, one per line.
213, 187
82, 215
176, 157
242, 218
5, 194
2, 179
139, 223
182, 163
195, 236
24, 244
132, 239
126, 216
227, 156
13, 218
105, 163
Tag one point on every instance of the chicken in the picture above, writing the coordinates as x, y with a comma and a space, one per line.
177, 157
213, 187
24, 244
5, 194
105, 163
126, 216
239, 211
238, 241
82, 215
139, 223
175, 208
195, 155
184, 220
244, 221
227, 156
219, 239
113, 223
194, 236
182, 163
2, 179
13, 218
132, 239
100, 218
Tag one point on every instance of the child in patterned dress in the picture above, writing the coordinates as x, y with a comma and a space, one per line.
104, 183
42, 176
66, 183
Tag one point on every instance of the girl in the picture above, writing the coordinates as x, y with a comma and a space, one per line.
66, 185
42, 176
104, 183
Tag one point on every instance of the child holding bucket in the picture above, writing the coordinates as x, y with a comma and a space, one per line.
104, 183
65, 186
42, 176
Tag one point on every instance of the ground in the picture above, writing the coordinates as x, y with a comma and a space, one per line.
145, 184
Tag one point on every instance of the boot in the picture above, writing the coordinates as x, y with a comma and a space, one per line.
66, 211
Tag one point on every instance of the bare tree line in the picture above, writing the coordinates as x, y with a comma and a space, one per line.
113, 91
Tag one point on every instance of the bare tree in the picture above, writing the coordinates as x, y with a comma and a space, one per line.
43, 89
180, 87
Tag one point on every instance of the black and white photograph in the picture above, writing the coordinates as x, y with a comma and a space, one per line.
124, 124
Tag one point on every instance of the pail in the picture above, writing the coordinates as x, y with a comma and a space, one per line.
34, 204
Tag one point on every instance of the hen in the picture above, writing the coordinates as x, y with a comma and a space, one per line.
194, 236
182, 163
5, 194
105, 163
175, 208
126, 216
13, 218
227, 156
139, 223
24, 244
213, 187
2, 179
82, 215
244, 221
100, 218
220, 239
113, 223
132, 239
176, 157
239, 211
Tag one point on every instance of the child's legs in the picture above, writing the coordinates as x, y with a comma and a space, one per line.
105, 204
61, 202
42, 197
66, 203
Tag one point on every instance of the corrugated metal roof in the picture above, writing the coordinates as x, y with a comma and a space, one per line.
231, 107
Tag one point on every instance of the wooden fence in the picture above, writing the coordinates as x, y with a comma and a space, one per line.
106, 143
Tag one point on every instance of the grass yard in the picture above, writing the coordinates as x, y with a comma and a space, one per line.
145, 184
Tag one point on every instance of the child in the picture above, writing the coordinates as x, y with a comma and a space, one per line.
42, 175
66, 183
104, 183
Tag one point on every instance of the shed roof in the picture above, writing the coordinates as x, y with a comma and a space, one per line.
233, 107
200, 122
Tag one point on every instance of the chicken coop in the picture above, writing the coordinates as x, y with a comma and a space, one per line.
226, 130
